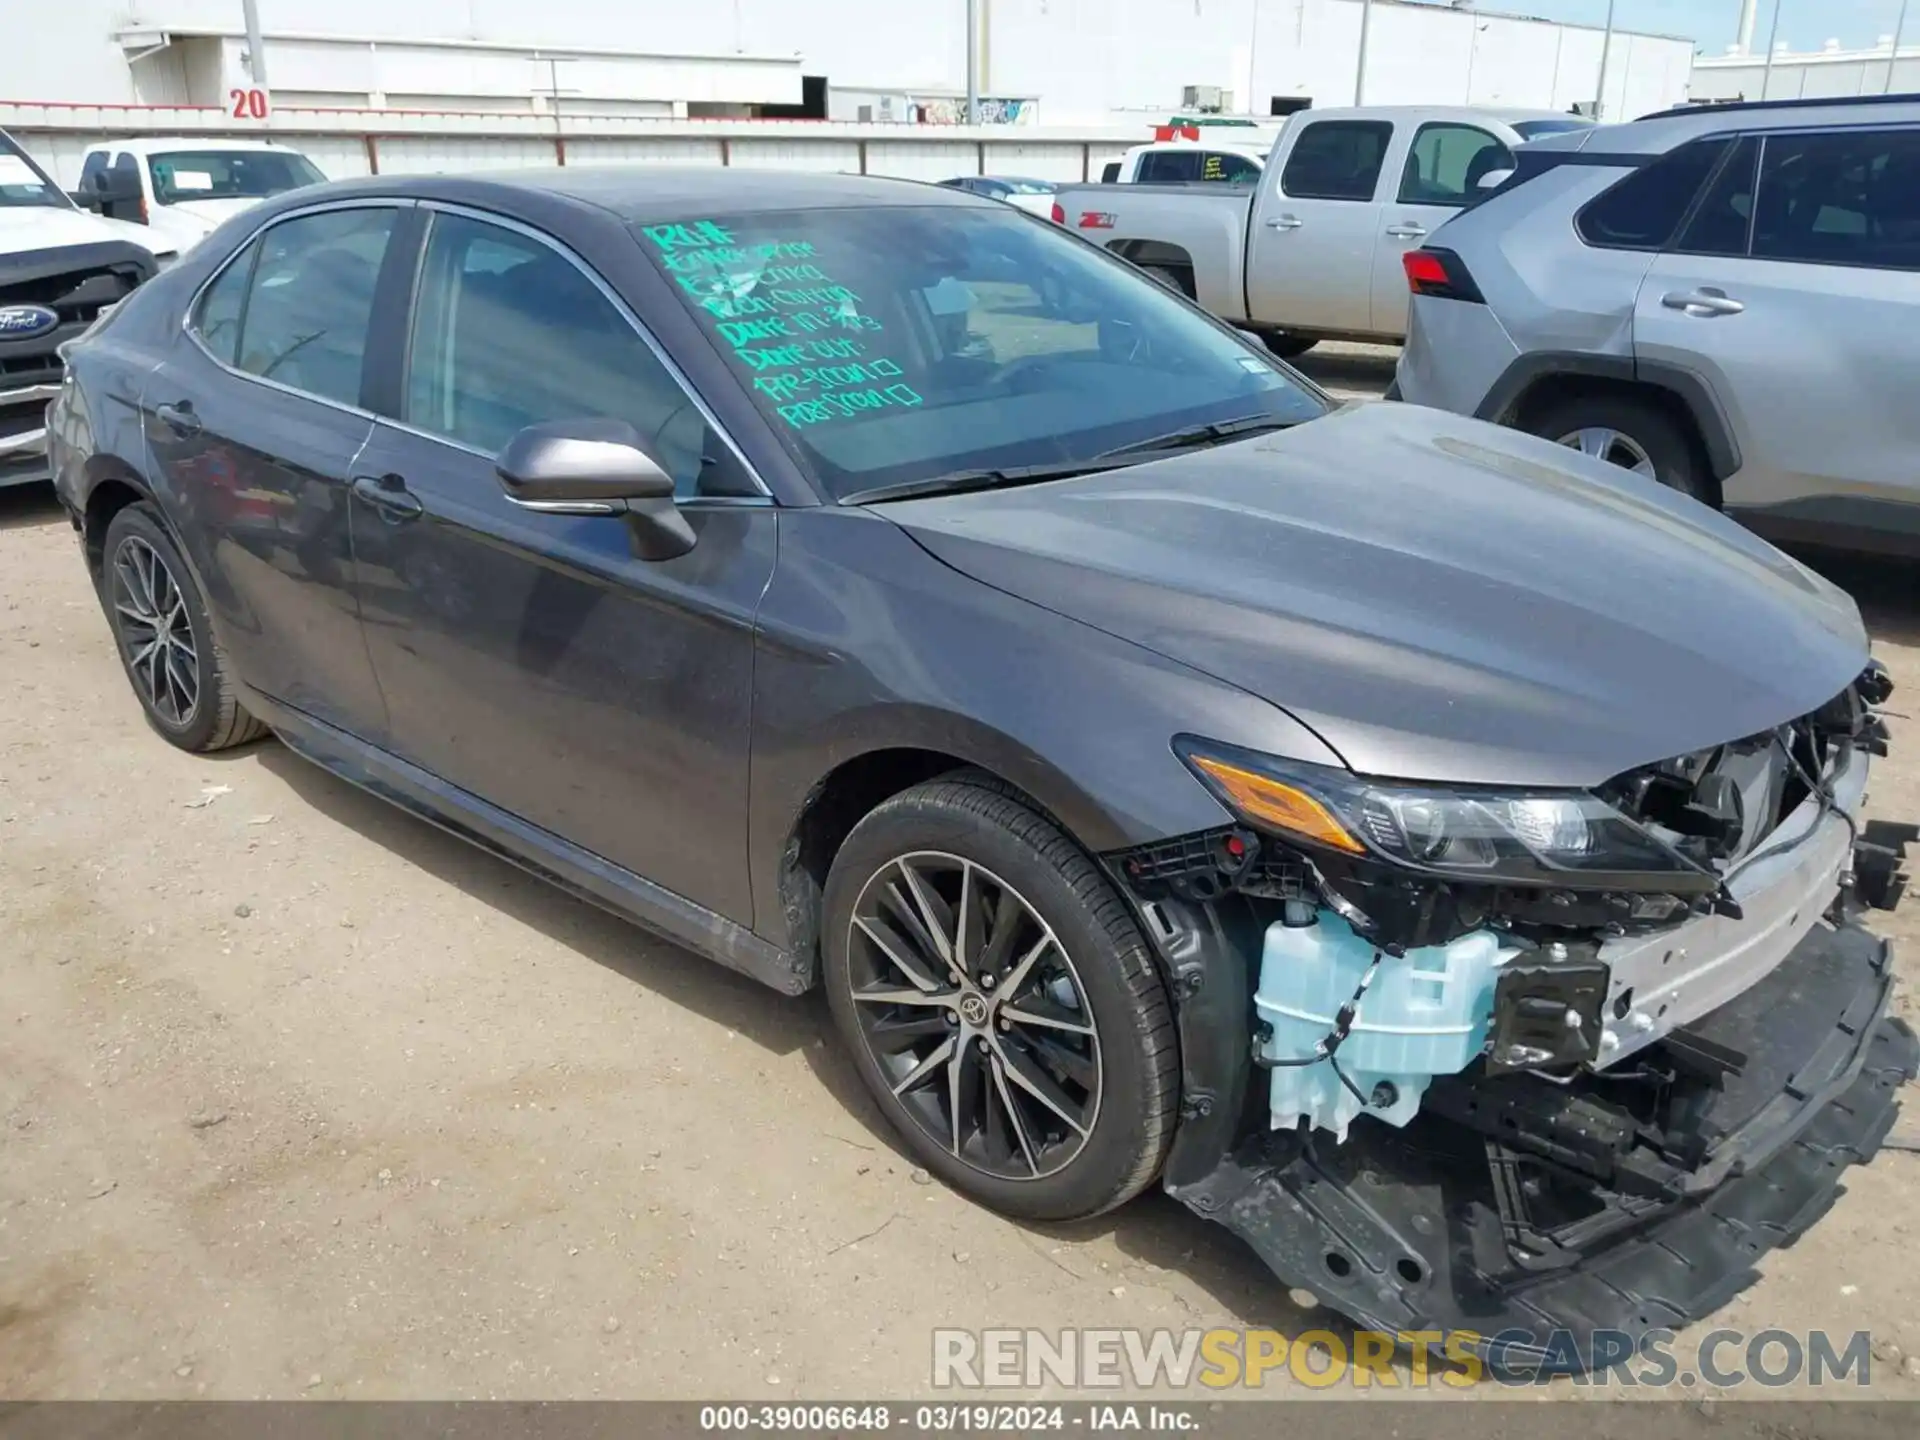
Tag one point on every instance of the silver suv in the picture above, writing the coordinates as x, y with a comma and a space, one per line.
1724, 297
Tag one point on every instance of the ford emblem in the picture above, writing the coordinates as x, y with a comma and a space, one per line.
26, 322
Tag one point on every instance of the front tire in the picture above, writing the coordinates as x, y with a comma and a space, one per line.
1285, 346
167, 647
1631, 433
1000, 1003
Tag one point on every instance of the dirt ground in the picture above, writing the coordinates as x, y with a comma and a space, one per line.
299, 1096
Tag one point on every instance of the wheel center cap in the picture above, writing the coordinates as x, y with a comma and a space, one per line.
973, 1008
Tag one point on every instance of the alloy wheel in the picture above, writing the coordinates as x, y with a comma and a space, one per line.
1613, 446
156, 631
975, 1015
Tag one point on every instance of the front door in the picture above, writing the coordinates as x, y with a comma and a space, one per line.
528, 658
1799, 305
1444, 165
256, 421
1310, 255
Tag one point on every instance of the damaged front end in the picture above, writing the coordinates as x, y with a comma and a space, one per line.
1519, 1063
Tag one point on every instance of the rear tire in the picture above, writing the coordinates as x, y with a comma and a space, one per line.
1175, 280
1054, 1032
1632, 433
178, 671
1287, 347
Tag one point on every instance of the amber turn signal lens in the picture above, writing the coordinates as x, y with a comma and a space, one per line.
1267, 800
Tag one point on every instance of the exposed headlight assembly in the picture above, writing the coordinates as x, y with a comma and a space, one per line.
1566, 839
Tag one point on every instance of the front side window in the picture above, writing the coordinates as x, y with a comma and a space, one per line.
895, 344
509, 333
228, 174
1337, 160
296, 305
1643, 211
1229, 168
1842, 197
1447, 162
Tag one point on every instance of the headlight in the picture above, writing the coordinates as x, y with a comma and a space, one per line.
1563, 838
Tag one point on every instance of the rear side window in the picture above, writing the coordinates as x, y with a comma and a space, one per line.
1447, 163
1643, 211
1721, 224
1337, 160
301, 313
1166, 167
1844, 197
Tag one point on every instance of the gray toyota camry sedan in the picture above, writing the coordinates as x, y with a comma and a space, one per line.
1430, 853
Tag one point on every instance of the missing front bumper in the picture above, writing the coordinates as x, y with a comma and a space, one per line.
1409, 1231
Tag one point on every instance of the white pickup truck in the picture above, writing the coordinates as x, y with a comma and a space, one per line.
1313, 251
182, 186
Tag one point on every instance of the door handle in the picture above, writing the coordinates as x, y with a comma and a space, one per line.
1285, 222
178, 417
389, 495
1703, 304
1406, 230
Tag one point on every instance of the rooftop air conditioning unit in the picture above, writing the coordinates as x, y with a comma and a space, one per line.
1210, 99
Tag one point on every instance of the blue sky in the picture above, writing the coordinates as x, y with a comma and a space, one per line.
1714, 23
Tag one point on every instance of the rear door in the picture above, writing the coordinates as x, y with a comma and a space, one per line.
1310, 257
1444, 163
529, 658
255, 420
1799, 303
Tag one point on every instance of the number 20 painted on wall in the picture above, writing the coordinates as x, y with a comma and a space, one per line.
249, 104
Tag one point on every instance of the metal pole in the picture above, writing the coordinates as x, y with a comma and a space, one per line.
1749, 14
256, 48
1899, 29
1773, 39
973, 62
1360, 64
1606, 53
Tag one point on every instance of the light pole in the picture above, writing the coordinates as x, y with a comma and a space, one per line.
256, 49
1606, 53
1899, 29
1773, 43
1360, 64
973, 62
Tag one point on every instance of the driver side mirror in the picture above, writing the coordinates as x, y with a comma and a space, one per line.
596, 467
1493, 179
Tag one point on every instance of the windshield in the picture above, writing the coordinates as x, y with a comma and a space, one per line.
228, 174
1534, 129
24, 183
895, 344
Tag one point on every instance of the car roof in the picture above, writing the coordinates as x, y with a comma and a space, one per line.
646, 194
1657, 134
1506, 114
161, 144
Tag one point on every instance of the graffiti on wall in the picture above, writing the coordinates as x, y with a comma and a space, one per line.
993, 111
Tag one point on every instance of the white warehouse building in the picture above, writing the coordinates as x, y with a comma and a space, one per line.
1063, 62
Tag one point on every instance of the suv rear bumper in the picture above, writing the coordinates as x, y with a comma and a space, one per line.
1456, 351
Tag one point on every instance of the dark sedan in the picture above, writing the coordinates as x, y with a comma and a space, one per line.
871, 586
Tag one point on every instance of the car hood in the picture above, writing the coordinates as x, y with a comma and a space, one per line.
206, 216
47, 227
1438, 598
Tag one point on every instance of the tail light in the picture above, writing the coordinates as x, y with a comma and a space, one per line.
1440, 274
1059, 213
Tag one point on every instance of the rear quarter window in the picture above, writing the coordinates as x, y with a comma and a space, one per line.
1644, 210
1337, 160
